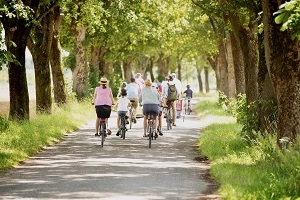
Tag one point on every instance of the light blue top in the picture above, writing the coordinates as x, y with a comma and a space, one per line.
150, 95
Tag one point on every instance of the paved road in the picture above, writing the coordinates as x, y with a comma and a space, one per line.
79, 168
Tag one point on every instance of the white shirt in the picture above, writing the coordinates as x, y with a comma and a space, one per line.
123, 104
133, 90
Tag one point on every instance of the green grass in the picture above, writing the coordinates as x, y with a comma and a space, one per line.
18, 141
255, 170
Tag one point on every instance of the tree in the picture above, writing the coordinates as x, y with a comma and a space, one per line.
281, 51
17, 23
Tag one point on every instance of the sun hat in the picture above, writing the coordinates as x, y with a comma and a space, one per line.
103, 81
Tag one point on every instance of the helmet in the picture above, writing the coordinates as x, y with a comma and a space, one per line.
123, 92
173, 75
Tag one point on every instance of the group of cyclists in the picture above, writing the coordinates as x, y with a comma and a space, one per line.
153, 97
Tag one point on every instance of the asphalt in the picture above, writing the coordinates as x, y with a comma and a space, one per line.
79, 168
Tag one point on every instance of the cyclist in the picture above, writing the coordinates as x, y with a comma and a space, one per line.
103, 100
159, 126
123, 86
150, 99
133, 92
188, 94
165, 97
122, 108
139, 80
178, 85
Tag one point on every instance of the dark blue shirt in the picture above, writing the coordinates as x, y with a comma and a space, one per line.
188, 93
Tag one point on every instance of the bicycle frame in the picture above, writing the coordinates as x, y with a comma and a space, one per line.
102, 127
150, 126
123, 126
169, 115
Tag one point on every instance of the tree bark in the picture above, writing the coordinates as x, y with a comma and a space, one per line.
223, 68
18, 89
127, 70
231, 75
206, 77
39, 45
59, 86
248, 44
200, 83
238, 64
282, 57
80, 72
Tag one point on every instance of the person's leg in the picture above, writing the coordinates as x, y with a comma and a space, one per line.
97, 125
173, 112
145, 125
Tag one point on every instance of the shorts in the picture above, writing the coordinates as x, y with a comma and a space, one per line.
135, 103
120, 113
103, 111
154, 108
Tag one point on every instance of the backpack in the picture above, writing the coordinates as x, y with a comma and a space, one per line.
172, 92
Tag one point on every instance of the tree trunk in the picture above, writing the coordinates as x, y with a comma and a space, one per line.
214, 64
238, 64
18, 89
127, 70
266, 93
282, 57
59, 86
80, 72
200, 83
102, 61
231, 76
39, 45
249, 50
17, 30
223, 68
206, 77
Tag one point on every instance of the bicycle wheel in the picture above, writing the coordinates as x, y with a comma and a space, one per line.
150, 135
102, 131
130, 117
168, 119
189, 108
123, 127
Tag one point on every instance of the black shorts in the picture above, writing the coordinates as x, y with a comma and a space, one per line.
103, 111
153, 108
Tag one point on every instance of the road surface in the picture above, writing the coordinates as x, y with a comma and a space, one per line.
79, 168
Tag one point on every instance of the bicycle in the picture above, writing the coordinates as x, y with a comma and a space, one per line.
123, 128
150, 126
131, 117
187, 106
169, 115
102, 130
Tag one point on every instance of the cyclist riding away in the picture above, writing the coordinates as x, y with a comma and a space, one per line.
166, 98
103, 100
133, 92
122, 108
150, 99
188, 94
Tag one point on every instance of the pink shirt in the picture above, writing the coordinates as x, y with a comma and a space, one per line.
102, 96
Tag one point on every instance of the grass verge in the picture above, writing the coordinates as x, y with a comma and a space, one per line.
248, 170
18, 140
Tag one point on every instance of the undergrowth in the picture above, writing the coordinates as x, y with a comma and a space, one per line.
249, 170
19, 140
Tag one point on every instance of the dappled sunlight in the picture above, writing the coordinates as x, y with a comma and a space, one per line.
79, 167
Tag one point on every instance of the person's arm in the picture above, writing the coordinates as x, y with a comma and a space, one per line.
112, 98
95, 95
